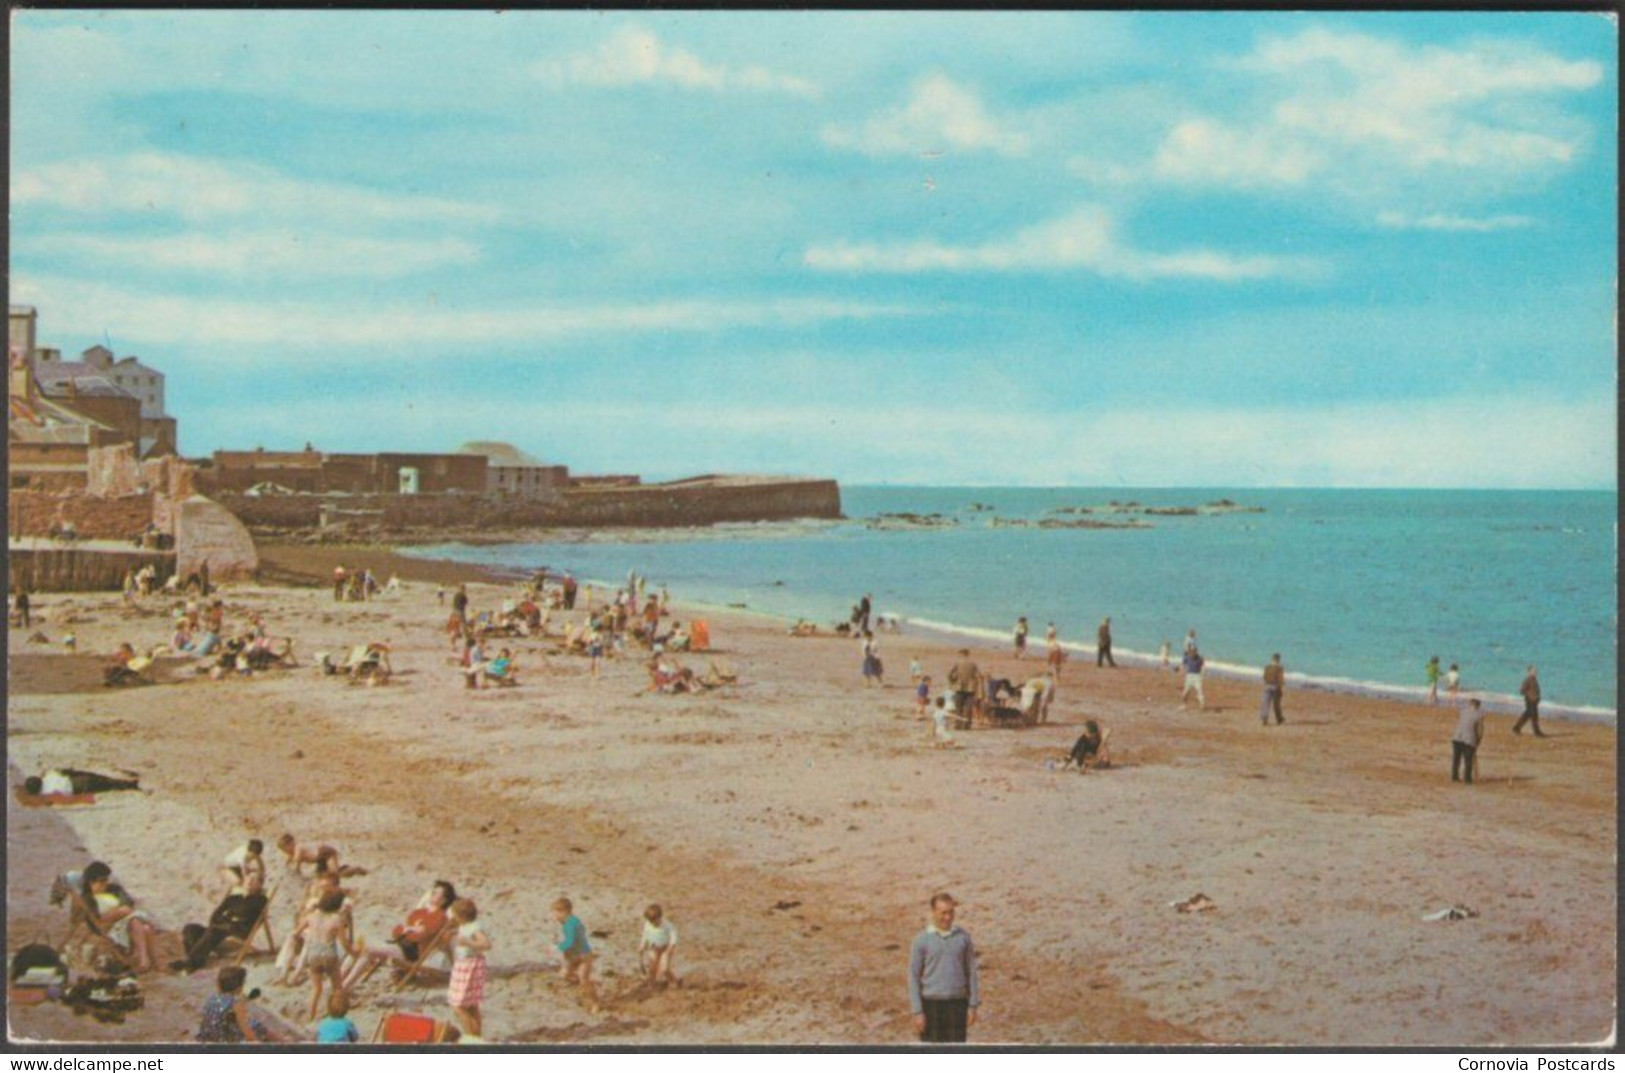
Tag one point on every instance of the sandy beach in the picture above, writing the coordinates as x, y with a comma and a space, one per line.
795, 824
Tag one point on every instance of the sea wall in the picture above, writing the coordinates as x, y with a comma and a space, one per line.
80, 569
646, 505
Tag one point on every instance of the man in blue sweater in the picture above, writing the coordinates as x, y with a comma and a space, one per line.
944, 985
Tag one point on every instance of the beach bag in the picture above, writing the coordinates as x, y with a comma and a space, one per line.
38, 964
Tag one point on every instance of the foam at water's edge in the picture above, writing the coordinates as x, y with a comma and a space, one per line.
1493, 702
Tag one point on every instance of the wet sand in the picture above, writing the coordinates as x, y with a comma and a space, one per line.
794, 825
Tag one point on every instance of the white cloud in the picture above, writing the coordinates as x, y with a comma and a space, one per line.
199, 190
1082, 240
1363, 113
259, 253
318, 328
939, 116
635, 56
1439, 221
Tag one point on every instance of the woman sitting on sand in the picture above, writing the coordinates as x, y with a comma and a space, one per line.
502, 670
409, 941
118, 671
117, 917
1089, 750
667, 677
225, 1014
181, 639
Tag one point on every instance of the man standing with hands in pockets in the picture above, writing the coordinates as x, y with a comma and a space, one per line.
944, 984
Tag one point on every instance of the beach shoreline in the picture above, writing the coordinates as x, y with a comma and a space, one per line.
1324, 841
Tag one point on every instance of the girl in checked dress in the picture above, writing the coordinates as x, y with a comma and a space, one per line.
467, 988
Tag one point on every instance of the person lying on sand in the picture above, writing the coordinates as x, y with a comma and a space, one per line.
68, 781
803, 628
1089, 750
325, 858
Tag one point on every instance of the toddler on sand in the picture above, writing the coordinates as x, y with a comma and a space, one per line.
578, 955
658, 948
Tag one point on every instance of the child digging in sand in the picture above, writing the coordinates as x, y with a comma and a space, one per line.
658, 948
327, 932
578, 955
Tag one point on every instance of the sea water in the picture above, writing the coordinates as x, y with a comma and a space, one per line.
1356, 589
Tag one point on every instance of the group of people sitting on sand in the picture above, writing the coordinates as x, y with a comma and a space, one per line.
360, 586
976, 698
442, 936
199, 633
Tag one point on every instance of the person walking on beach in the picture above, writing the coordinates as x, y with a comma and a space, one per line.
1531, 704
1054, 654
1021, 637
338, 582
865, 606
1453, 682
1190, 640
1167, 651
872, 669
944, 983
1464, 744
1103, 644
1274, 683
1433, 680
1193, 663
20, 603
966, 678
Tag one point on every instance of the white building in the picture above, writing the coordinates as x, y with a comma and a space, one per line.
510, 471
145, 383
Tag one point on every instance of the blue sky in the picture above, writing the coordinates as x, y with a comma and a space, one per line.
1035, 248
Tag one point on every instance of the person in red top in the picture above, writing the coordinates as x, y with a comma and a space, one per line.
410, 940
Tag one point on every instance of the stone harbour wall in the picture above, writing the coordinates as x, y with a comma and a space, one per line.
95, 517
80, 569
646, 505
